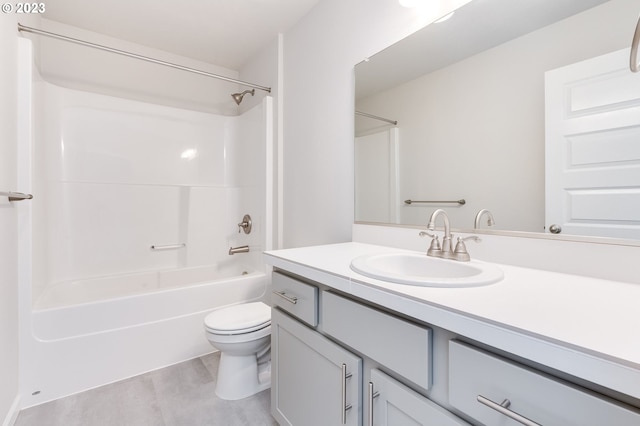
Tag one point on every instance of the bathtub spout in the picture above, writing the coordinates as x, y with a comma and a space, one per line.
241, 249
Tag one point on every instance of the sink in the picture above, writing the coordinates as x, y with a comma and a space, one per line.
422, 270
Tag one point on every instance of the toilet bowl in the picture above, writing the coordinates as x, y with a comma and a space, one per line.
242, 334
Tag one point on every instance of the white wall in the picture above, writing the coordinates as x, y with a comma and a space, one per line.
9, 232
491, 107
319, 55
8, 218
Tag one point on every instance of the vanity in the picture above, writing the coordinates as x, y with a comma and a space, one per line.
532, 347
472, 120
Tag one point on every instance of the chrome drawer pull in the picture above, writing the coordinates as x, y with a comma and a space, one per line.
502, 408
345, 407
290, 299
372, 395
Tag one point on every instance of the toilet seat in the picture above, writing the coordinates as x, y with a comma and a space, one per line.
239, 319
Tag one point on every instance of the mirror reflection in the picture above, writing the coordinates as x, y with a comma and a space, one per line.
468, 95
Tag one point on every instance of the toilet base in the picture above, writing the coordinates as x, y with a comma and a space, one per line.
241, 376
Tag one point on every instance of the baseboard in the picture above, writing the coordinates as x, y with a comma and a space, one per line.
12, 415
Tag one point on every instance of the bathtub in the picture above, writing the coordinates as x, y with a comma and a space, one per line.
91, 332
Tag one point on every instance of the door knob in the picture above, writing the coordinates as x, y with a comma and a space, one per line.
555, 229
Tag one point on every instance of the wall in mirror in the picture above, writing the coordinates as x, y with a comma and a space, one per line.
469, 98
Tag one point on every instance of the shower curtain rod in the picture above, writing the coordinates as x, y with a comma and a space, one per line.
136, 56
375, 117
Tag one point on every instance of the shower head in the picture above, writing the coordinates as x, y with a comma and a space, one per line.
238, 96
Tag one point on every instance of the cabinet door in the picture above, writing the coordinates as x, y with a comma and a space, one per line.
314, 381
396, 405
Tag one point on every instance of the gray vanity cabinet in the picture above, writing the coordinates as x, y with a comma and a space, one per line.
316, 382
317, 378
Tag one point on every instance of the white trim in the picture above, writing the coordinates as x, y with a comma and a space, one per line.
280, 149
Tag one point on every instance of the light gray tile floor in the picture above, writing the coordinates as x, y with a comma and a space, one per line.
178, 395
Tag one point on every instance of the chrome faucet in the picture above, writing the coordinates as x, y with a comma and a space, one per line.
490, 221
445, 251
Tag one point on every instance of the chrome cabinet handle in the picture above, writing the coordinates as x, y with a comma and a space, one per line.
290, 299
372, 395
503, 409
345, 407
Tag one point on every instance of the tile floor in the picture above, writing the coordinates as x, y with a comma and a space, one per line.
178, 395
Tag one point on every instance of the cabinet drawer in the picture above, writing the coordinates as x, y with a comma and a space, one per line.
476, 376
399, 345
297, 298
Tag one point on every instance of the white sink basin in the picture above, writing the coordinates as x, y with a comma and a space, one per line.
422, 270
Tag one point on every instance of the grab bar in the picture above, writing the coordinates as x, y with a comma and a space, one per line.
168, 246
16, 196
462, 202
634, 61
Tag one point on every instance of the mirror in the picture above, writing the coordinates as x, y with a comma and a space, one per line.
468, 95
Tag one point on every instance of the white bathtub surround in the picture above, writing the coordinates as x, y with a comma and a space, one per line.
111, 179
115, 177
580, 326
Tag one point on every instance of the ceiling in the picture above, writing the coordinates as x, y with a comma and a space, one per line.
475, 27
221, 32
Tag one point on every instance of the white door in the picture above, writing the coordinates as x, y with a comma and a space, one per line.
376, 177
593, 148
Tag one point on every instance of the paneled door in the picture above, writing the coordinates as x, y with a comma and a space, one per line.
593, 148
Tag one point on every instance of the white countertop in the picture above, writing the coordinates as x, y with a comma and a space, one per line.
586, 327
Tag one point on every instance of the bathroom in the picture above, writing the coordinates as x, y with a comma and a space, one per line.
309, 67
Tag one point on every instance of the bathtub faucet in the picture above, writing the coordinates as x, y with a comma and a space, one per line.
241, 249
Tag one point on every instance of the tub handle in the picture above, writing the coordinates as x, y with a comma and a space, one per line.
290, 299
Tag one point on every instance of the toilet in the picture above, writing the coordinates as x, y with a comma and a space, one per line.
242, 334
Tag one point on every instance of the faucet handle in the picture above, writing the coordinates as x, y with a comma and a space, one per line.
245, 225
434, 248
460, 253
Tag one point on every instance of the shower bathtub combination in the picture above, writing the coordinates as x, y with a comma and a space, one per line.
126, 241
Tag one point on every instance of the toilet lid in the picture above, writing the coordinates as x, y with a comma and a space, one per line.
237, 319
